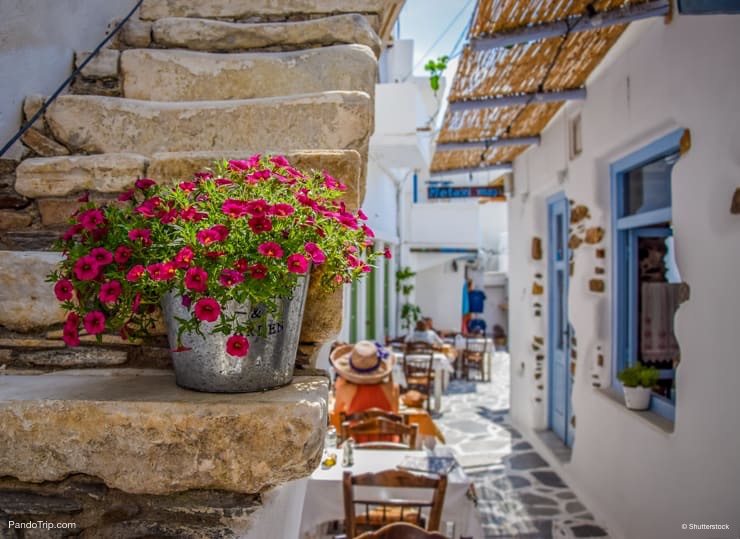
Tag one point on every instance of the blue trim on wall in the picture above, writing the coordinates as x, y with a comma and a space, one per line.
622, 229
701, 7
416, 188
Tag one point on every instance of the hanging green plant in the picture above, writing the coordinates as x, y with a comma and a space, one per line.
436, 68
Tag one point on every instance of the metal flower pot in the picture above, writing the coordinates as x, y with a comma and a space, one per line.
208, 367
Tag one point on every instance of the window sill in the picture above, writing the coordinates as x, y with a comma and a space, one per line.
657, 422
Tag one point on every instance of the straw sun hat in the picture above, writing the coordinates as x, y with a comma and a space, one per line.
364, 362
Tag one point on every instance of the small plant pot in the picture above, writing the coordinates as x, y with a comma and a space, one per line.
637, 398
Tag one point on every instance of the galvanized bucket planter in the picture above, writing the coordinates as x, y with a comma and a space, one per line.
268, 364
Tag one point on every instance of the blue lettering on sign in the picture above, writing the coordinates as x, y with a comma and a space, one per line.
463, 192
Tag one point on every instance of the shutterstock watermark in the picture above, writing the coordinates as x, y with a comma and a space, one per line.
41, 525
704, 527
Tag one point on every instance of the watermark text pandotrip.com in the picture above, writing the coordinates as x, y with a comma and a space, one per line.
41, 525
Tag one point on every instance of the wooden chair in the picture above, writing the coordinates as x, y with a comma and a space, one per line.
418, 361
474, 357
402, 530
397, 434
376, 512
370, 413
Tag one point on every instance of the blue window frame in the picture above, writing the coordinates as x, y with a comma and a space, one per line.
700, 7
641, 216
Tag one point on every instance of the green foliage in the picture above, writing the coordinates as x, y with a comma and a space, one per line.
639, 375
436, 68
410, 313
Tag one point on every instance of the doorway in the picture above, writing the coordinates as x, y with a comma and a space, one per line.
560, 383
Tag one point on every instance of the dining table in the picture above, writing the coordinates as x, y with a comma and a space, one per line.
324, 496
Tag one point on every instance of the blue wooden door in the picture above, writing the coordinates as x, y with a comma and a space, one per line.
560, 383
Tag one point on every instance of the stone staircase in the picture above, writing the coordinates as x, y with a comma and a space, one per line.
185, 83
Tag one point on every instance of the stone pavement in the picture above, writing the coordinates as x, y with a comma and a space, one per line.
519, 494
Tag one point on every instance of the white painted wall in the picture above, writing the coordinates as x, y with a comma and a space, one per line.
37, 43
644, 481
439, 294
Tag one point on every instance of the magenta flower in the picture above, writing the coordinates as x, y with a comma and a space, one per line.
70, 334
315, 252
257, 207
86, 268
161, 272
234, 208
280, 161
122, 254
187, 186
333, 184
203, 176
361, 214
270, 249
102, 256
241, 265
94, 322
387, 253
230, 277
126, 195
186, 301
184, 257
215, 254
297, 263
237, 345
72, 232
136, 303
282, 210
368, 231
191, 214
196, 279
348, 220
143, 234
258, 271
91, 219
238, 165
63, 289
222, 231
223, 181
260, 224
110, 291
135, 273
353, 261
143, 184
207, 309
207, 236
85, 197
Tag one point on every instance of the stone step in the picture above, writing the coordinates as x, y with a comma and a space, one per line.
259, 10
221, 36
179, 75
97, 124
50, 177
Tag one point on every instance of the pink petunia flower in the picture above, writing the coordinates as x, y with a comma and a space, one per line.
368, 231
191, 214
387, 253
184, 257
230, 277
348, 220
282, 210
207, 236
122, 254
143, 234
102, 256
361, 214
72, 232
333, 184
270, 249
70, 334
86, 268
161, 271
260, 224
207, 309
186, 301
136, 303
234, 208
94, 322
237, 345
187, 186
297, 263
257, 207
135, 273
258, 271
223, 181
110, 291
241, 265
315, 252
143, 183
222, 231
85, 197
215, 254
196, 279
126, 195
353, 261
238, 165
63, 289
280, 161
91, 219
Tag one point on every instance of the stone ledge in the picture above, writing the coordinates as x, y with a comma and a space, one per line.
140, 433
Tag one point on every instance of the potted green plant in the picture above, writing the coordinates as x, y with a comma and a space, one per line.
227, 253
410, 313
638, 381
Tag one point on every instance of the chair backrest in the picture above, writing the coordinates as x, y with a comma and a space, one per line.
476, 345
371, 412
418, 360
402, 530
381, 429
376, 512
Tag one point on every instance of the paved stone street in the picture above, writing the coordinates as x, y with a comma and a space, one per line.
519, 495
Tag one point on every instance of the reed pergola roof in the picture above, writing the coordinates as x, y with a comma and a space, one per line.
524, 59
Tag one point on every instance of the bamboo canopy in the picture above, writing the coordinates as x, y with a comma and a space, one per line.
514, 90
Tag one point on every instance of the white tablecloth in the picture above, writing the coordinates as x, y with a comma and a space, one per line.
442, 368
460, 344
324, 498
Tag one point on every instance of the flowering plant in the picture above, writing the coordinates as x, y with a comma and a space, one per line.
245, 232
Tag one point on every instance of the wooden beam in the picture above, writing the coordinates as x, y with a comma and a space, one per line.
521, 99
488, 143
498, 167
524, 34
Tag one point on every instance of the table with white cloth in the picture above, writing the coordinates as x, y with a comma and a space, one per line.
324, 496
442, 367
478, 342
